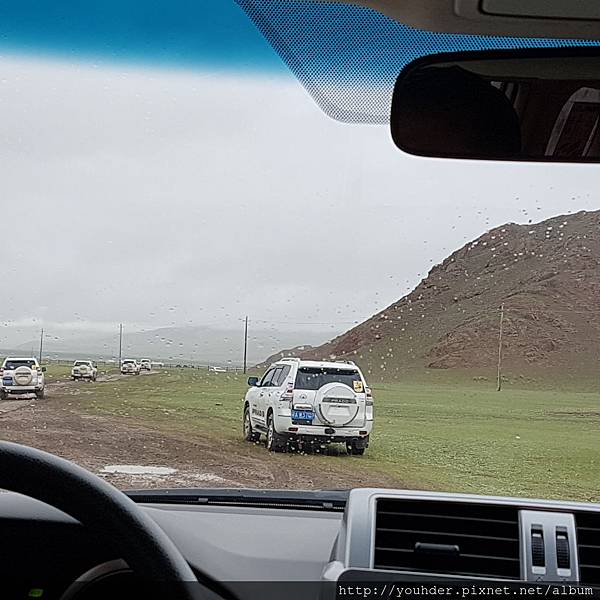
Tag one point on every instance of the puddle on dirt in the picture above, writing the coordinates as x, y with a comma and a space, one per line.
206, 477
138, 470
145, 472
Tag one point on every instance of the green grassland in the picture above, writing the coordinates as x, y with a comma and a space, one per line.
461, 436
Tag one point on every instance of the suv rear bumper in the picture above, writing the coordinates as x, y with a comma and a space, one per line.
21, 389
284, 425
360, 441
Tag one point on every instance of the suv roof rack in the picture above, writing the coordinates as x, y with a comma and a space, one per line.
295, 359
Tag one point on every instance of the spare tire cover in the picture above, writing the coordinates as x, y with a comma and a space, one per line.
336, 405
23, 375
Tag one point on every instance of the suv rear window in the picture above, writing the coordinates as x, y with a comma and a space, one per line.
11, 365
313, 378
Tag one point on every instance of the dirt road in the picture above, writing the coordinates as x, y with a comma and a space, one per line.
56, 425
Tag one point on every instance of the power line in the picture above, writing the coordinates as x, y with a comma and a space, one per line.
500, 348
245, 343
41, 346
120, 343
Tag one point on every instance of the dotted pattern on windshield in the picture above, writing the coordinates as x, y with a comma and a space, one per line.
348, 57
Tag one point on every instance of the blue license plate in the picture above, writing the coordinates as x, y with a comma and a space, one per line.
7, 381
303, 415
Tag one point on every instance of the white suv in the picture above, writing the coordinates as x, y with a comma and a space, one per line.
130, 366
84, 369
298, 401
21, 376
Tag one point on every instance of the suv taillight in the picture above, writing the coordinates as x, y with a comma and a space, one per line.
369, 394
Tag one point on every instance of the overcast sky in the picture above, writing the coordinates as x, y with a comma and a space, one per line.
159, 197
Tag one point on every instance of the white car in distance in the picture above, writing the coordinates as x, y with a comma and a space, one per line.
84, 369
130, 366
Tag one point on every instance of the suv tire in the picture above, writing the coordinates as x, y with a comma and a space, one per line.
249, 434
3, 395
275, 441
355, 449
40, 393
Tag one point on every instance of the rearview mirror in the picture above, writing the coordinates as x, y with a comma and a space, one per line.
252, 381
525, 105
43, 369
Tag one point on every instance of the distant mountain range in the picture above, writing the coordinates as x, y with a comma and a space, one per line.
202, 345
547, 277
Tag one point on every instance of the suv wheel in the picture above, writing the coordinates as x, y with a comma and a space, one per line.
354, 449
249, 434
3, 395
39, 393
275, 441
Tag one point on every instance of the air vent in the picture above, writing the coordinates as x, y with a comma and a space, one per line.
588, 545
476, 540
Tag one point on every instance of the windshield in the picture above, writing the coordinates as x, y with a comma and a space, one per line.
313, 378
245, 148
11, 365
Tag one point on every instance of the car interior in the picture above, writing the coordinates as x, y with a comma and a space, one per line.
67, 533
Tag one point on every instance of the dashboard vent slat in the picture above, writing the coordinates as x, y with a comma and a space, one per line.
588, 546
487, 537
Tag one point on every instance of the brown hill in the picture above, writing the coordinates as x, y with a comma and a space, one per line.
546, 275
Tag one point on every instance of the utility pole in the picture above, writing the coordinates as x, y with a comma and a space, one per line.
245, 343
41, 346
120, 343
500, 348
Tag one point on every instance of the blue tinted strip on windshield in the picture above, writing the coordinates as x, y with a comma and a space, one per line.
348, 57
191, 33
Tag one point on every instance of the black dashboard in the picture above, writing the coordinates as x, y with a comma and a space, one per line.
236, 545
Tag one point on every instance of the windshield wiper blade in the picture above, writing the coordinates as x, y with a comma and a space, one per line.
330, 500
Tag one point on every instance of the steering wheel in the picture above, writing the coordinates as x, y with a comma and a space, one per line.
103, 510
